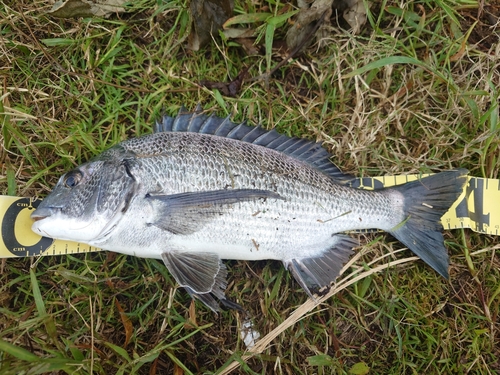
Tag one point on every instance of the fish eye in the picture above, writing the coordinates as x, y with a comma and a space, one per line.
73, 179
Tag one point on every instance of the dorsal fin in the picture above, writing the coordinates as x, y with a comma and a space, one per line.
307, 151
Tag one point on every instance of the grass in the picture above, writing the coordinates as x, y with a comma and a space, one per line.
416, 91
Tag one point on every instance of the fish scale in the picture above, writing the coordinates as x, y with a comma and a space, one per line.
202, 189
304, 185
243, 169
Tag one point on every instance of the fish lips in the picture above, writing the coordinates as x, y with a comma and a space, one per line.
43, 213
38, 217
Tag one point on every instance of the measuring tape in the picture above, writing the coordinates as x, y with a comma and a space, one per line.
477, 208
18, 240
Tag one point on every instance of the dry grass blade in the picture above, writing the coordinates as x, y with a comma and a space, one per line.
309, 305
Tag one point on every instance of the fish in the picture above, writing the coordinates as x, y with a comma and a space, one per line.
202, 189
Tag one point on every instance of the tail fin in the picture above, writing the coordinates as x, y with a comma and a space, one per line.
425, 202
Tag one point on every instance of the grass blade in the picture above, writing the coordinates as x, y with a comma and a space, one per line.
391, 60
17, 352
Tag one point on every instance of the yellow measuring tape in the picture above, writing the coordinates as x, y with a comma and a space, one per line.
477, 208
18, 240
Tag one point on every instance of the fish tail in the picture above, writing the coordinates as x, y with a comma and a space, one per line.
425, 202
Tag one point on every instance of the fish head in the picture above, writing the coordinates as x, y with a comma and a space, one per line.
87, 202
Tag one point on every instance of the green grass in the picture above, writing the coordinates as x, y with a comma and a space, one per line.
417, 91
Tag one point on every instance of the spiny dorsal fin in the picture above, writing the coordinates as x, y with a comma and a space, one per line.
307, 151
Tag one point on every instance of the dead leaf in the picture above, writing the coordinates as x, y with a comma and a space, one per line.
191, 323
248, 45
178, 370
307, 20
127, 324
86, 8
238, 33
154, 367
110, 257
231, 89
245, 37
207, 17
355, 14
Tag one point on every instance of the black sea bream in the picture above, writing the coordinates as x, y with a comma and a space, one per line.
201, 189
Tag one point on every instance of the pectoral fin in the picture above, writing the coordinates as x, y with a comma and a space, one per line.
186, 213
202, 274
315, 273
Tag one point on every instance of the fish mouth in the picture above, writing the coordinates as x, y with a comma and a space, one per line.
37, 218
42, 213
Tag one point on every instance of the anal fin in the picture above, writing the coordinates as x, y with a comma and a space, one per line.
315, 273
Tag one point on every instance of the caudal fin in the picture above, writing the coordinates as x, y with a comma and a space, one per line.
425, 202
